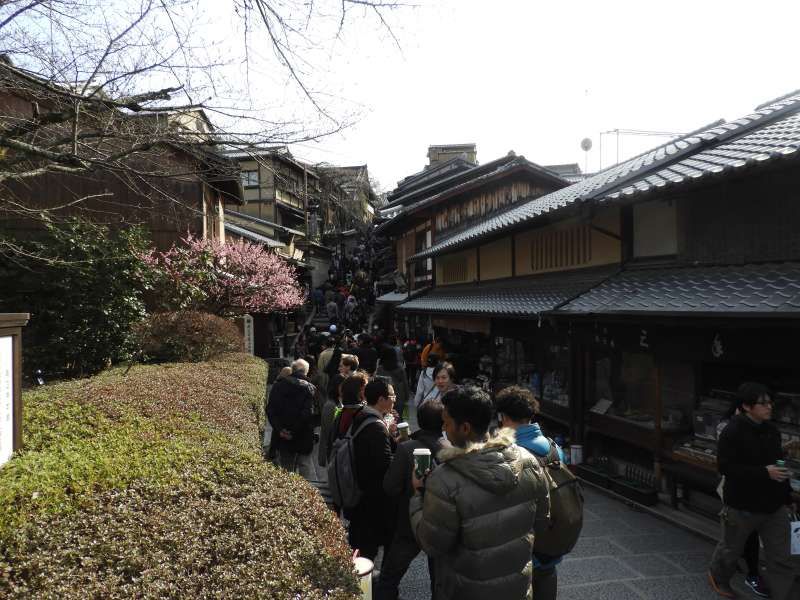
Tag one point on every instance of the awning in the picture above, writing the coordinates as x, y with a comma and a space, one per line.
771, 290
524, 296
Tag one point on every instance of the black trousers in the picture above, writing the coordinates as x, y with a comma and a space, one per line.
366, 536
396, 560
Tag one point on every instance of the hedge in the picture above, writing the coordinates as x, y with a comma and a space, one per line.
151, 484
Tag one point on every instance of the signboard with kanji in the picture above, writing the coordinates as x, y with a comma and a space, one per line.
11, 383
6, 398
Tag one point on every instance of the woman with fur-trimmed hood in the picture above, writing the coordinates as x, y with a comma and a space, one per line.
476, 513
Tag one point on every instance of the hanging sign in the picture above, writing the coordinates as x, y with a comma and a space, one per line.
6, 398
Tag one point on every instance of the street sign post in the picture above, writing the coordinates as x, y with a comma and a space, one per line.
11, 383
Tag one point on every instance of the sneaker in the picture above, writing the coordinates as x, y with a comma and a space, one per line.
723, 589
758, 585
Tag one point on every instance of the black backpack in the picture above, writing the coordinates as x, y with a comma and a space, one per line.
342, 477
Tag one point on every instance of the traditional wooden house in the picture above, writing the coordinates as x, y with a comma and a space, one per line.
449, 198
154, 169
635, 301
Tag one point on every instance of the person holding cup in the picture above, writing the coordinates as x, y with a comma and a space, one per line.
477, 512
757, 496
397, 485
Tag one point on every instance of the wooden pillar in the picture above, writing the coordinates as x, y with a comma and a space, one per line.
658, 432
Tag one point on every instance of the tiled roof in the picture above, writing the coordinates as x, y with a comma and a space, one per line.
696, 291
770, 132
393, 297
474, 178
527, 296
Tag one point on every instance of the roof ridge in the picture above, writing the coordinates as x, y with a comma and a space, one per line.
460, 173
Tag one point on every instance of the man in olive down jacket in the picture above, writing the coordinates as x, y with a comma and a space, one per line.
477, 512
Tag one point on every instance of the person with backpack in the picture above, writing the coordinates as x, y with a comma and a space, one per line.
516, 408
477, 513
372, 519
352, 401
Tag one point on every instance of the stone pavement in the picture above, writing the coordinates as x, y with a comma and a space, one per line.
623, 554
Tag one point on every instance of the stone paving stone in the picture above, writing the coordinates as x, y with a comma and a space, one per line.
588, 547
682, 587
675, 541
691, 562
603, 527
650, 565
603, 591
594, 570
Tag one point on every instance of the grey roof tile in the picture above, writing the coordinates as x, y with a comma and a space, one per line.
764, 288
528, 296
721, 148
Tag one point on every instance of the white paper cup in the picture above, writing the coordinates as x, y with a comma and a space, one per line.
402, 428
422, 461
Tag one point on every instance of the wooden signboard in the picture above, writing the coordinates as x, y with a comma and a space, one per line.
11, 383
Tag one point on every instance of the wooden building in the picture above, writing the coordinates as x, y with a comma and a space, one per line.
636, 301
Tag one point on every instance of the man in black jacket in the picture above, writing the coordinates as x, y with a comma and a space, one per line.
757, 497
397, 484
372, 519
290, 413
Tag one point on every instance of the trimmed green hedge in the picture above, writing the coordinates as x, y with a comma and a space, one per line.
151, 484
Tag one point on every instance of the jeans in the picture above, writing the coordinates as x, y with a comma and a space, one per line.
783, 570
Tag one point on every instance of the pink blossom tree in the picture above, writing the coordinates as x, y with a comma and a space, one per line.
223, 279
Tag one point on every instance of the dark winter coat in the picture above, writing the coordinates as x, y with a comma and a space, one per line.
374, 449
744, 450
397, 481
290, 407
477, 519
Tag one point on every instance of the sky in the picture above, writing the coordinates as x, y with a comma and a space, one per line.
530, 76
538, 77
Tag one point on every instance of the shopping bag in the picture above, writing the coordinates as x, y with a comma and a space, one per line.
794, 537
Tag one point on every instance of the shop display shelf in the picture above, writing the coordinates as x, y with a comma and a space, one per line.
594, 475
633, 490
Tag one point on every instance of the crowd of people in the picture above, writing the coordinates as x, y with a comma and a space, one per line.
484, 512
489, 464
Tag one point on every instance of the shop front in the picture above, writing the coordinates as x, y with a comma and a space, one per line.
658, 393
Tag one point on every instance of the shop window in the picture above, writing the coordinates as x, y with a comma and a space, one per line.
454, 269
555, 375
561, 249
249, 178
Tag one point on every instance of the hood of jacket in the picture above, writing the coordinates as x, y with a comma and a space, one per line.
493, 465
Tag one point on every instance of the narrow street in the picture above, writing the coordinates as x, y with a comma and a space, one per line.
623, 554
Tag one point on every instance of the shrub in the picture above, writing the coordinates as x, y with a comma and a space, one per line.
225, 279
82, 284
151, 485
188, 336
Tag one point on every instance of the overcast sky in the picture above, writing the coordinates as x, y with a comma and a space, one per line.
537, 77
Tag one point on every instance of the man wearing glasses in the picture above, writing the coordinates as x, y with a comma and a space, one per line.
757, 496
372, 521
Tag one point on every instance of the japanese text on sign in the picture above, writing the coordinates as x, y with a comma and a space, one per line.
6, 398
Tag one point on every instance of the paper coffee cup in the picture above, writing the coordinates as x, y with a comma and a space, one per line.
402, 428
422, 461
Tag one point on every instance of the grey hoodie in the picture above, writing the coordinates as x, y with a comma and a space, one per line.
478, 517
